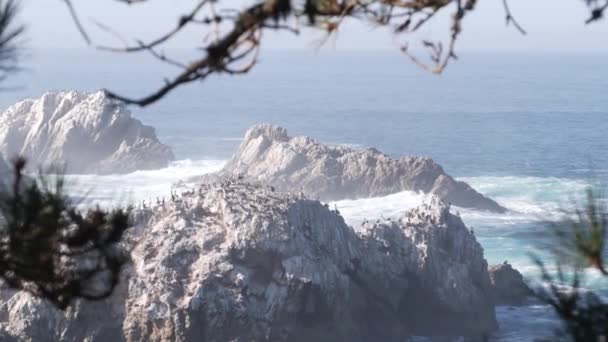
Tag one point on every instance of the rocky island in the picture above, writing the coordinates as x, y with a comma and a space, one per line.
85, 132
240, 261
269, 155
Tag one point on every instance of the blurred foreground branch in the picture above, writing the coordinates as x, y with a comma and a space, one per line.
580, 249
10, 33
53, 250
232, 38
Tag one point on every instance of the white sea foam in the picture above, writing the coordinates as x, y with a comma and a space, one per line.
529, 199
532, 198
137, 186
354, 211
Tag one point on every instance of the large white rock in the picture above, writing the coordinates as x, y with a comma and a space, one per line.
87, 132
267, 154
234, 261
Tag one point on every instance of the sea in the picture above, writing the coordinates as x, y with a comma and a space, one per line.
528, 130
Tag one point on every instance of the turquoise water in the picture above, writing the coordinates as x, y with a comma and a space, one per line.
527, 130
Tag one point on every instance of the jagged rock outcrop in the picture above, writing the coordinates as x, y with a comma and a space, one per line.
267, 154
234, 261
87, 132
508, 285
449, 288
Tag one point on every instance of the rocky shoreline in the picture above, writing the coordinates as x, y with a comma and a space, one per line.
251, 253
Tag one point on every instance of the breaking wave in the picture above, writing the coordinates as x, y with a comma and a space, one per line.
139, 185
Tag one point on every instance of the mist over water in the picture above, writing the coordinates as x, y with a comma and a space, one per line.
527, 131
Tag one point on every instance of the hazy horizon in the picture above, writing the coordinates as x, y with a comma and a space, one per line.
552, 26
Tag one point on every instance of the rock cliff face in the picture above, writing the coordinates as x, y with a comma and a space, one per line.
449, 288
235, 261
5, 170
86, 131
509, 285
267, 154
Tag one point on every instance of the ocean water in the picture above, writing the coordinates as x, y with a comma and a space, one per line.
527, 130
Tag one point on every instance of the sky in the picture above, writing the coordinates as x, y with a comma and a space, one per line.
553, 25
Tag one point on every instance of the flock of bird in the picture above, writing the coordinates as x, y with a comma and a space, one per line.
248, 199
238, 194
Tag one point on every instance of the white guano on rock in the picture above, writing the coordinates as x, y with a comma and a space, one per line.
236, 261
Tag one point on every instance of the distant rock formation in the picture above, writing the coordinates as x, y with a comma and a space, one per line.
87, 132
509, 285
235, 261
267, 154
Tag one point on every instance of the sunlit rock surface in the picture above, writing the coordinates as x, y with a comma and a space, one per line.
328, 172
234, 261
87, 132
509, 285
